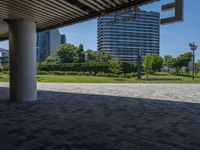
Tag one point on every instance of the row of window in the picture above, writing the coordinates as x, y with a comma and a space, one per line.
128, 47
128, 36
112, 34
131, 54
124, 41
128, 25
138, 38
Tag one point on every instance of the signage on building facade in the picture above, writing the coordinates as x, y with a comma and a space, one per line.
133, 16
177, 5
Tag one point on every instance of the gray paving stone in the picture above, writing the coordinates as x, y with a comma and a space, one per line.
72, 116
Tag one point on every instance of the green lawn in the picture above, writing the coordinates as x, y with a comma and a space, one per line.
156, 78
4, 78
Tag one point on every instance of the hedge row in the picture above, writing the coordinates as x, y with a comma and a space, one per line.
99, 74
86, 67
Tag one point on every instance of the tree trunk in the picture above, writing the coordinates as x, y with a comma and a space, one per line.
177, 71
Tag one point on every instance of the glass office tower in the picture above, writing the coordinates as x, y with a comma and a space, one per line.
124, 34
43, 46
47, 43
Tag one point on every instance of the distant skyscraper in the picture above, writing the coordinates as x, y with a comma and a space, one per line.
47, 42
126, 33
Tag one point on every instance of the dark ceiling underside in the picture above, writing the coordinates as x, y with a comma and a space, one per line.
50, 14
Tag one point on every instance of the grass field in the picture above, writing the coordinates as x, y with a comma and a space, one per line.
156, 78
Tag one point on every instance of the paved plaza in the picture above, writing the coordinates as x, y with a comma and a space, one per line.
103, 117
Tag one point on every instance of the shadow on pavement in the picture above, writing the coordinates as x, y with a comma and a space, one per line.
98, 122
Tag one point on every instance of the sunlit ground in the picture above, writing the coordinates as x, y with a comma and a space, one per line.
155, 78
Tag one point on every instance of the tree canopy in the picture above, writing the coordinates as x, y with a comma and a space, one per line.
181, 61
152, 63
167, 61
81, 53
67, 53
147, 64
69, 56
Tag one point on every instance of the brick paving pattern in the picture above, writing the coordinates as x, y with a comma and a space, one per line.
77, 118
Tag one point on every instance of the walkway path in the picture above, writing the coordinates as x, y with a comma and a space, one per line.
103, 117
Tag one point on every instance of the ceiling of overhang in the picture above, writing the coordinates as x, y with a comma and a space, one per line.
50, 14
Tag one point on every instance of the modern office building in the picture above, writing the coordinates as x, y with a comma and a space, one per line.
124, 34
47, 42
4, 56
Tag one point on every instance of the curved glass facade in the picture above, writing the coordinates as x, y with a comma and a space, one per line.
123, 35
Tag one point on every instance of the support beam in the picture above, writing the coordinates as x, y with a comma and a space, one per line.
22, 45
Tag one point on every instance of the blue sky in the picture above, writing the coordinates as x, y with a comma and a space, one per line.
174, 38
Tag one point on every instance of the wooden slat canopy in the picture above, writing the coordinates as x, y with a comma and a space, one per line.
50, 14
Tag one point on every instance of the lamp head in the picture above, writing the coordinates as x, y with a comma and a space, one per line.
193, 46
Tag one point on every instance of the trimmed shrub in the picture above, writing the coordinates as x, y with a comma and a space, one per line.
59, 73
79, 67
87, 74
111, 75
93, 68
43, 73
100, 74
5, 67
121, 75
128, 75
5, 72
81, 73
128, 67
92, 73
72, 73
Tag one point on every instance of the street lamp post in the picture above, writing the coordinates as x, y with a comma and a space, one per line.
193, 47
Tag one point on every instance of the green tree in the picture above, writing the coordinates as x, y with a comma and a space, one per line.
167, 61
81, 53
181, 61
157, 62
115, 66
97, 56
90, 56
67, 53
52, 60
147, 64
185, 59
152, 63
103, 56
176, 64
128, 67
198, 66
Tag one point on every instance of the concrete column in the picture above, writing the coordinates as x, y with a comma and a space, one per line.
22, 45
